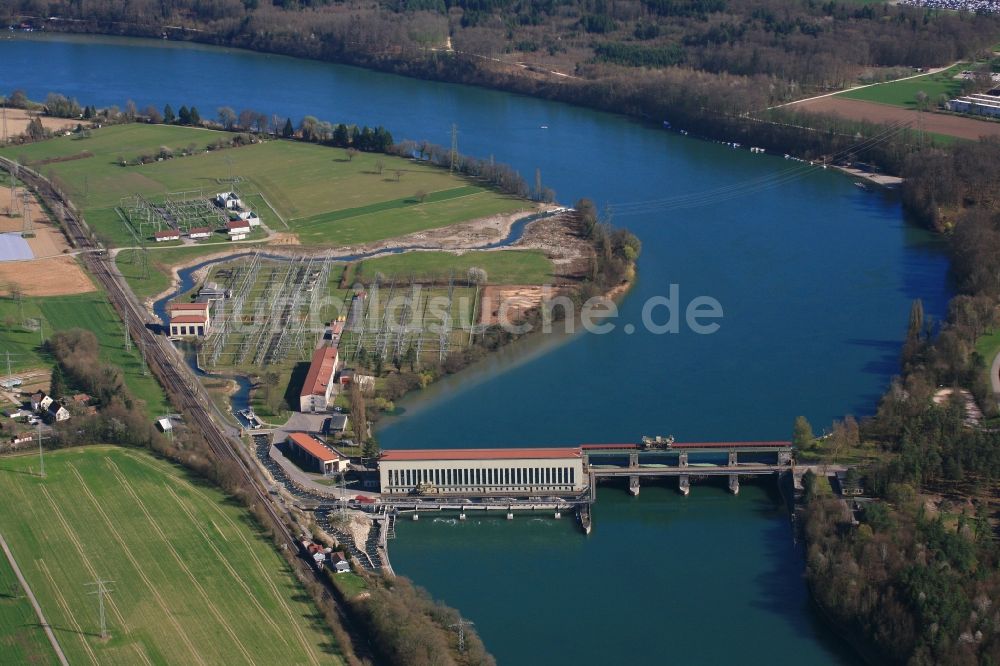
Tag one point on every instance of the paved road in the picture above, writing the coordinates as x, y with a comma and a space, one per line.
34, 603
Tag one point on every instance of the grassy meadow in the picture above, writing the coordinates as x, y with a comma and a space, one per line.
501, 266
316, 190
904, 93
91, 311
195, 582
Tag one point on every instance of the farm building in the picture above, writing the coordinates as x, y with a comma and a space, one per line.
313, 454
318, 388
238, 229
199, 232
59, 413
340, 563
40, 402
167, 235
190, 319
977, 105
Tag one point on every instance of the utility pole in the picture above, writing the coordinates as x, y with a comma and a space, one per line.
128, 338
454, 147
101, 589
41, 452
461, 625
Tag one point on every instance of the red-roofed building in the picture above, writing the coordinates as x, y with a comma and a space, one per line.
238, 229
313, 454
199, 232
522, 471
190, 319
317, 390
166, 235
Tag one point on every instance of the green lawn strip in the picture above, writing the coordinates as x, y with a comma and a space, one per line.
904, 93
988, 346
161, 262
501, 266
22, 639
193, 574
350, 584
433, 197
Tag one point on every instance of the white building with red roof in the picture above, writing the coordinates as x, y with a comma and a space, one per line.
238, 229
317, 390
190, 320
167, 235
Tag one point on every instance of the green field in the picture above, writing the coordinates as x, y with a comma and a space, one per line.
161, 261
331, 199
90, 311
501, 266
22, 640
904, 93
195, 582
988, 346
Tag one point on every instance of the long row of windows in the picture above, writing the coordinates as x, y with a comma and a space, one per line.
483, 476
188, 330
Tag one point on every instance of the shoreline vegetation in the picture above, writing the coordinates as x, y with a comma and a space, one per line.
407, 626
913, 571
913, 574
714, 68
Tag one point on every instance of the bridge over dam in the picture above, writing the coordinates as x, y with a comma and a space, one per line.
559, 478
664, 458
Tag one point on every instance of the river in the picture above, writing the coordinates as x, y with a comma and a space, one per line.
815, 277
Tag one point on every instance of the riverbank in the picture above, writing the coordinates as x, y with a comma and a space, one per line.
812, 137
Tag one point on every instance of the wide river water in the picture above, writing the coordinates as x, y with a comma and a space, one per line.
815, 277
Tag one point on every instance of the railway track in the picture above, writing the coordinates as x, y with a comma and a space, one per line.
183, 388
164, 362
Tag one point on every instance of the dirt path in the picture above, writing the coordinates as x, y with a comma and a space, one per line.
34, 603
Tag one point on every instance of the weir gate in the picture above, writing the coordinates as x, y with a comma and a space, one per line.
686, 460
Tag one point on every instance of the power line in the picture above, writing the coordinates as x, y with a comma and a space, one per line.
753, 185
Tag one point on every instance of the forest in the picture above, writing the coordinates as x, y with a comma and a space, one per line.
915, 573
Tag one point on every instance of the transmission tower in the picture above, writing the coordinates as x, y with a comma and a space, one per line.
454, 147
102, 590
10, 372
128, 338
461, 625
26, 212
